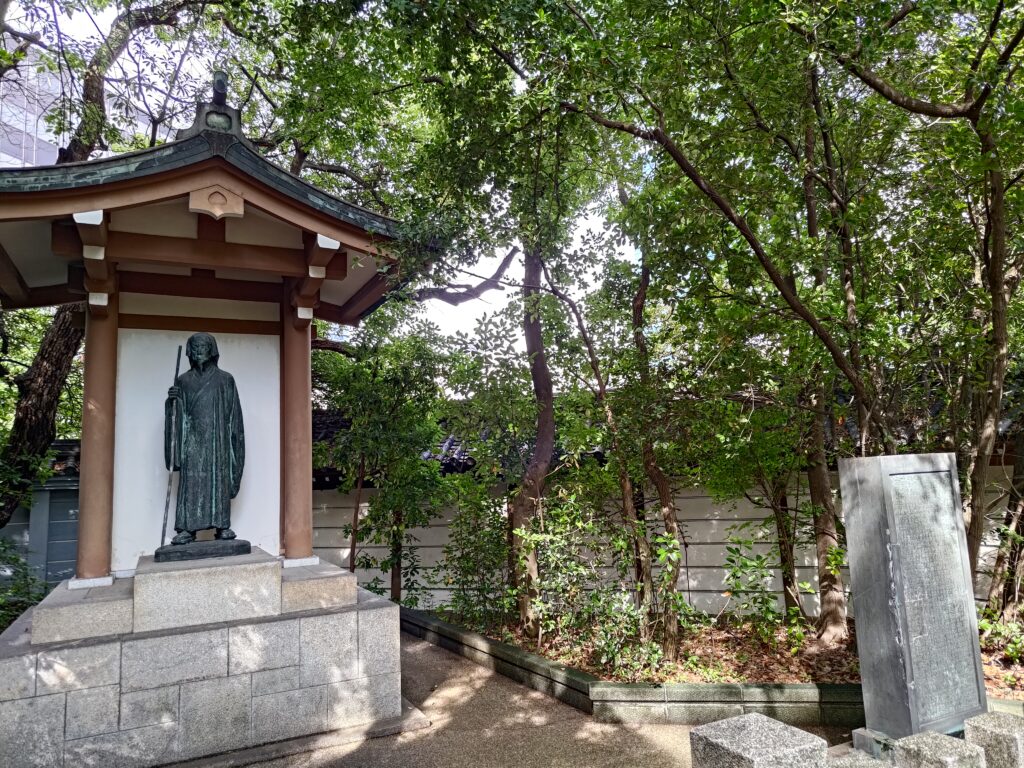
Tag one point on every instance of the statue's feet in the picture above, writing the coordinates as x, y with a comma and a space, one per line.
183, 537
225, 533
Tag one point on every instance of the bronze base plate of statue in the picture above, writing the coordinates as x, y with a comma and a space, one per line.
198, 550
204, 441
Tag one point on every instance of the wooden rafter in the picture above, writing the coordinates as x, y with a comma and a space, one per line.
12, 285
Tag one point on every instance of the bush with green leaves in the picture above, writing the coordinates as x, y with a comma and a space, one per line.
474, 564
19, 587
1005, 638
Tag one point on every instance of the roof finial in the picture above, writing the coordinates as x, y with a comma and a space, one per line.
220, 87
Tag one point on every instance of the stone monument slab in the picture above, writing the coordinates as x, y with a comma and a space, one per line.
917, 632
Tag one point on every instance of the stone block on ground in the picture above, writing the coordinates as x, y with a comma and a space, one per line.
76, 614
183, 594
330, 651
150, 707
935, 750
379, 636
18, 677
32, 732
214, 715
152, 662
270, 645
86, 666
755, 741
1001, 735
313, 587
92, 711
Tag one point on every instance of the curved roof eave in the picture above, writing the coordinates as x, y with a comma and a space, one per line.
197, 148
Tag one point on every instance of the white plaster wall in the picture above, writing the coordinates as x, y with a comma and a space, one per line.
145, 368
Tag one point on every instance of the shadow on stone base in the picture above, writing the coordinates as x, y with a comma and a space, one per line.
200, 550
411, 719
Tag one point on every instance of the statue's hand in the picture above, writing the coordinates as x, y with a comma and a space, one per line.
174, 392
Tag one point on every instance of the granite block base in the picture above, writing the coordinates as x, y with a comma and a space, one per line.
169, 694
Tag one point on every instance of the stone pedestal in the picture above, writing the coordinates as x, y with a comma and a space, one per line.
184, 594
755, 741
253, 661
935, 750
1001, 735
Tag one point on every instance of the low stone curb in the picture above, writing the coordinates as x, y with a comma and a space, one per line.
673, 703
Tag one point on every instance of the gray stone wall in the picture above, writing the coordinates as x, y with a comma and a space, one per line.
159, 697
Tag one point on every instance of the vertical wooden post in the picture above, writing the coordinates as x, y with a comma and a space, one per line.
296, 432
96, 488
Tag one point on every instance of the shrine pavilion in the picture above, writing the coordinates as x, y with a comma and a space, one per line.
199, 234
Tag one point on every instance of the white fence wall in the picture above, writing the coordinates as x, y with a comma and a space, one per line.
708, 525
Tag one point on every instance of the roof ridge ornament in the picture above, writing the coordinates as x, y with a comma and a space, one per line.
216, 116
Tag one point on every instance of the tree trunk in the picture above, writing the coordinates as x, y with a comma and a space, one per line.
39, 390
1003, 590
526, 503
832, 595
787, 556
990, 401
666, 504
832, 627
396, 558
360, 479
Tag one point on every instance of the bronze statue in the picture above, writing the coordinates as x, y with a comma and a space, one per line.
205, 440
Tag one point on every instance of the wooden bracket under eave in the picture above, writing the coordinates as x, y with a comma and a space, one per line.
98, 304
307, 292
323, 251
302, 317
92, 231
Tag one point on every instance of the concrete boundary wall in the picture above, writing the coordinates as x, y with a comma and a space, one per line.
706, 522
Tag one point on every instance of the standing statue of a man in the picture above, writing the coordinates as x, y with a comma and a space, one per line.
204, 439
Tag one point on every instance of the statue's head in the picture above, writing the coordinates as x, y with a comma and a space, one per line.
201, 349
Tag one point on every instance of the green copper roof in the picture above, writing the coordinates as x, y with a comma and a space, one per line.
215, 133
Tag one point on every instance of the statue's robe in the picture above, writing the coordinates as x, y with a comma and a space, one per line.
204, 438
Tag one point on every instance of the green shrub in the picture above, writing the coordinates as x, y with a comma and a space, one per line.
19, 587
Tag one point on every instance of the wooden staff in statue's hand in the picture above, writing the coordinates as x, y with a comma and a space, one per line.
170, 450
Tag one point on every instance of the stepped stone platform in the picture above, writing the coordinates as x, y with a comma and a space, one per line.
196, 658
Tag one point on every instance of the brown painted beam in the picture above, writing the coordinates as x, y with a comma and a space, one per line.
43, 296
12, 285
130, 247
209, 324
368, 295
199, 286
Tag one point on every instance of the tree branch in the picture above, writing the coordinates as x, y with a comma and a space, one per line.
330, 345
455, 298
883, 88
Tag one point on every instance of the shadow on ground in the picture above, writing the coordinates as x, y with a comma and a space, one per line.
480, 719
